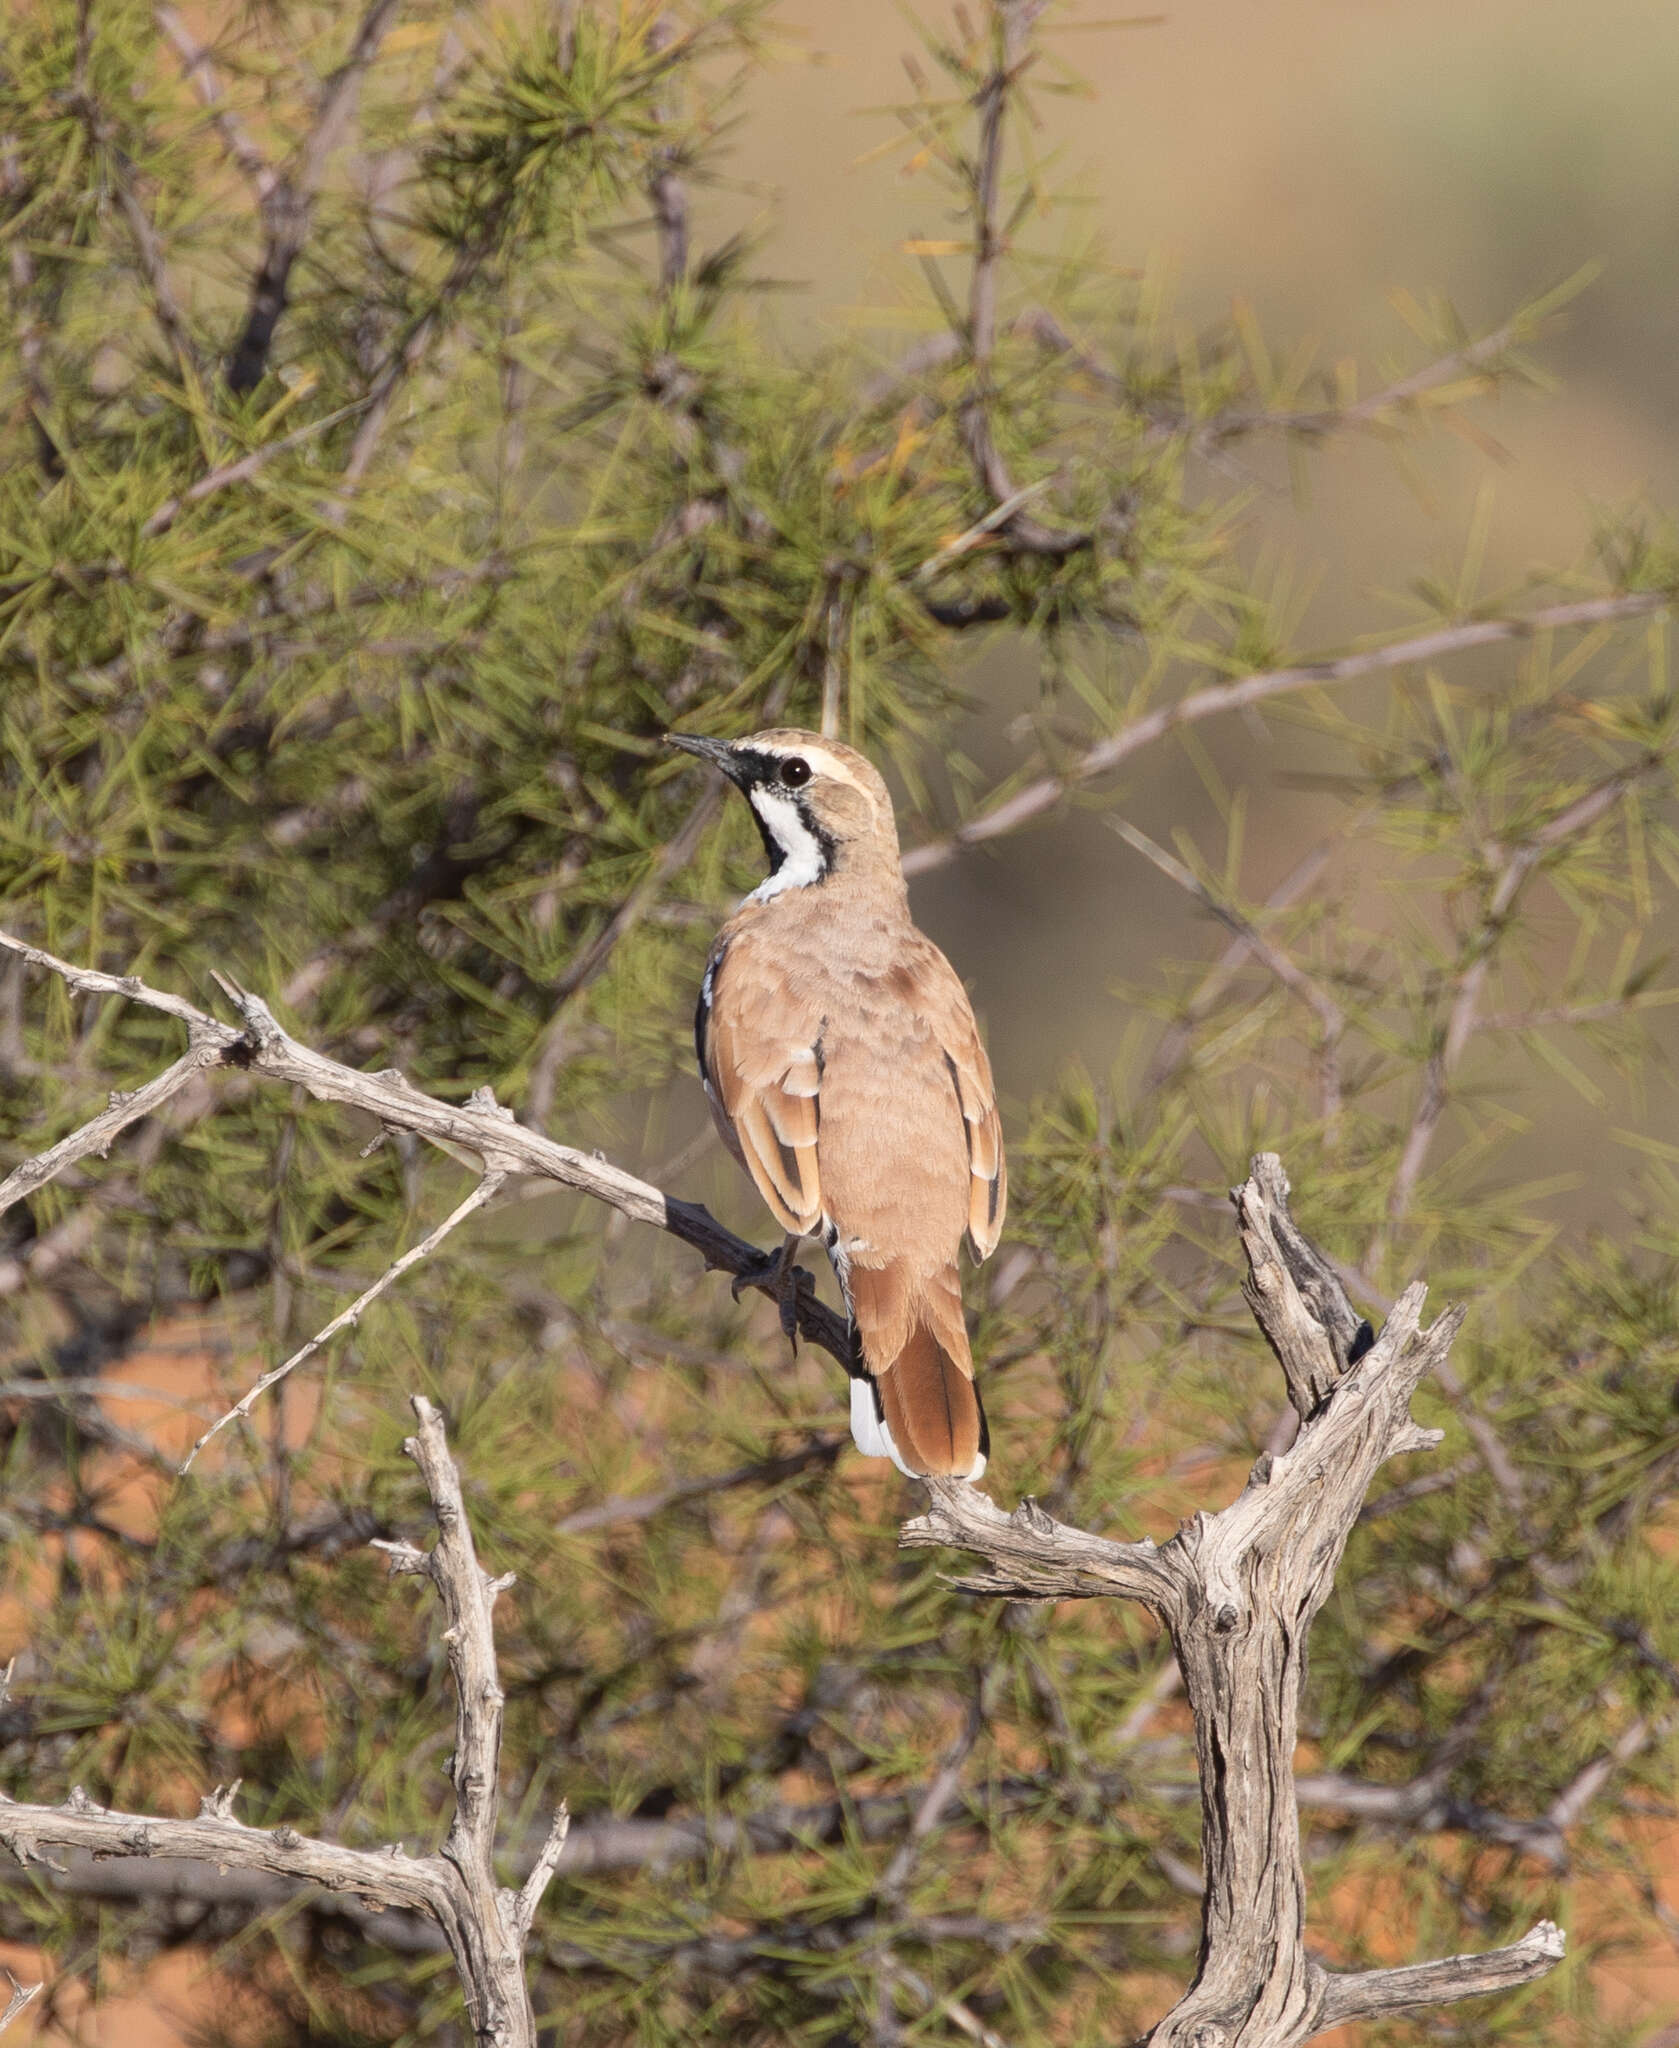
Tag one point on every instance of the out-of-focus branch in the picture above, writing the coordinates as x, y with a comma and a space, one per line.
1012, 22
1332, 1022
1178, 1039
667, 191
154, 268
200, 73
590, 963
288, 202
1469, 985
28, 321
1010, 813
1320, 422
611, 1514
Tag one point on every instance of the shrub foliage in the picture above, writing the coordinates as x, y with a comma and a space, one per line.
386, 459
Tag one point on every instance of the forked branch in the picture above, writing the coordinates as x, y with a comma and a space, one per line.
1237, 1591
484, 1925
480, 1127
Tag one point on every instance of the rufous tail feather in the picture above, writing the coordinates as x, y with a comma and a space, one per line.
915, 1347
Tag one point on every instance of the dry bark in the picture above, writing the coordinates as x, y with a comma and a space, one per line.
1237, 1592
484, 1925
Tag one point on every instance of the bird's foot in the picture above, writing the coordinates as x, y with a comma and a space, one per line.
776, 1274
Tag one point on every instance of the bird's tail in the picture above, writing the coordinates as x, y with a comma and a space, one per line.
914, 1400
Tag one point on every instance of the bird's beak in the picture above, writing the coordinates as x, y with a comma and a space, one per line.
718, 752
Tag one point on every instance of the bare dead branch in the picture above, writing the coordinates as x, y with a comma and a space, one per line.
233, 1899
1237, 1591
22, 1995
263, 1048
96, 1137
1365, 1994
1009, 813
484, 1926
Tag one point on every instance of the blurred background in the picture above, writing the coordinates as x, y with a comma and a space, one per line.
1331, 165
1317, 161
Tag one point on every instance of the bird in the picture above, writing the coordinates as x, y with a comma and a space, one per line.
845, 1072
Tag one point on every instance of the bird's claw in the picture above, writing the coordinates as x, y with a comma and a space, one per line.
764, 1274
776, 1274
796, 1282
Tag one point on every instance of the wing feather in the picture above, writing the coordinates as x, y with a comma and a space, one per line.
765, 1082
970, 1072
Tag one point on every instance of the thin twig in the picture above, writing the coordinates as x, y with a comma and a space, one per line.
347, 1319
1008, 814
22, 1995
97, 1135
1332, 1022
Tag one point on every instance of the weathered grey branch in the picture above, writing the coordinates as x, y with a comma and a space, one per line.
1238, 1591
484, 1926
260, 1046
98, 1134
187, 1895
1368, 1994
22, 1995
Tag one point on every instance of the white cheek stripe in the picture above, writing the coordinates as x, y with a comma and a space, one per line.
802, 861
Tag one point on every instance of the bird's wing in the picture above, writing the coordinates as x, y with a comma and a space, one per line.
762, 1064
988, 1193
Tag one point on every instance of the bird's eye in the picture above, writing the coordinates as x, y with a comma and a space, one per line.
795, 773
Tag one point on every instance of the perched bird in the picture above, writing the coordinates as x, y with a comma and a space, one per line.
846, 1074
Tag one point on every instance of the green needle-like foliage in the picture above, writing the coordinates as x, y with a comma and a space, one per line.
338, 631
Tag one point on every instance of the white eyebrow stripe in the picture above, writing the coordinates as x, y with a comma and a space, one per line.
824, 763
803, 861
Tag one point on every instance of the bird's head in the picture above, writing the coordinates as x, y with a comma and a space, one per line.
821, 807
